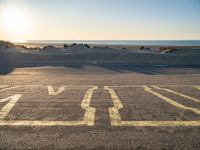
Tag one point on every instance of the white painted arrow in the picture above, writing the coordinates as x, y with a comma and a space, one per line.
52, 92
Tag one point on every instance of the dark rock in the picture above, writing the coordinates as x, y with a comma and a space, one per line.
142, 48
7, 44
65, 46
167, 49
49, 47
74, 44
86, 45
124, 48
23, 47
34, 48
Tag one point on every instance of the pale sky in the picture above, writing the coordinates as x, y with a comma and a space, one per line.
99, 19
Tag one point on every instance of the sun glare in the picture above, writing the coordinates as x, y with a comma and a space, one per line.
16, 22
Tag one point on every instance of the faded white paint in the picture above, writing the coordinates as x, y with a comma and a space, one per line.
40, 123
88, 119
116, 119
10, 88
89, 116
7, 108
177, 93
3, 86
197, 87
167, 85
52, 92
172, 102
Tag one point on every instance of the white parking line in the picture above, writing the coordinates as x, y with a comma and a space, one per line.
88, 119
51, 91
177, 93
67, 86
89, 116
3, 86
40, 123
172, 85
170, 101
9, 88
159, 123
7, 108
116, 119
197, 87
163, 85
114, 114
123, 86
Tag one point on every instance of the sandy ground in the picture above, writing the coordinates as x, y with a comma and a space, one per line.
129, 47
12, 57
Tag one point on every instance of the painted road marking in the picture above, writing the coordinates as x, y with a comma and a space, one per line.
170, 101
177, 93
197, 87
88, 119
67, 86
176, 85
3, 86
122, 86
116, 119
114, 114
158, 123
7, 108
40, 123
9, 88
89, 116
51, 90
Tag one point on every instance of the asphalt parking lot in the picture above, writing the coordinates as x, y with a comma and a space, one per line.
100, 109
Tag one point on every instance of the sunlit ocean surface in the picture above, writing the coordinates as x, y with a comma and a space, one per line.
120, 42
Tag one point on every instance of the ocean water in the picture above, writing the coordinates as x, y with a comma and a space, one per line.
121, 42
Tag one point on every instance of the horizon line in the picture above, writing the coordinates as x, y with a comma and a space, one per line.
106, 40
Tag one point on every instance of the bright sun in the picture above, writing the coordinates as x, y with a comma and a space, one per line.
16, 22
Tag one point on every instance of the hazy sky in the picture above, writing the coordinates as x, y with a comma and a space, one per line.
101, 19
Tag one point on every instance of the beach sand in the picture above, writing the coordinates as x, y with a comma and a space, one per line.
100, 55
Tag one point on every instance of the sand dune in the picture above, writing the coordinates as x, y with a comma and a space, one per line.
21, 55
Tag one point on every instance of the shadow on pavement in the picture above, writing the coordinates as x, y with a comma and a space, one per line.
115, 68
10, 61
6, 70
